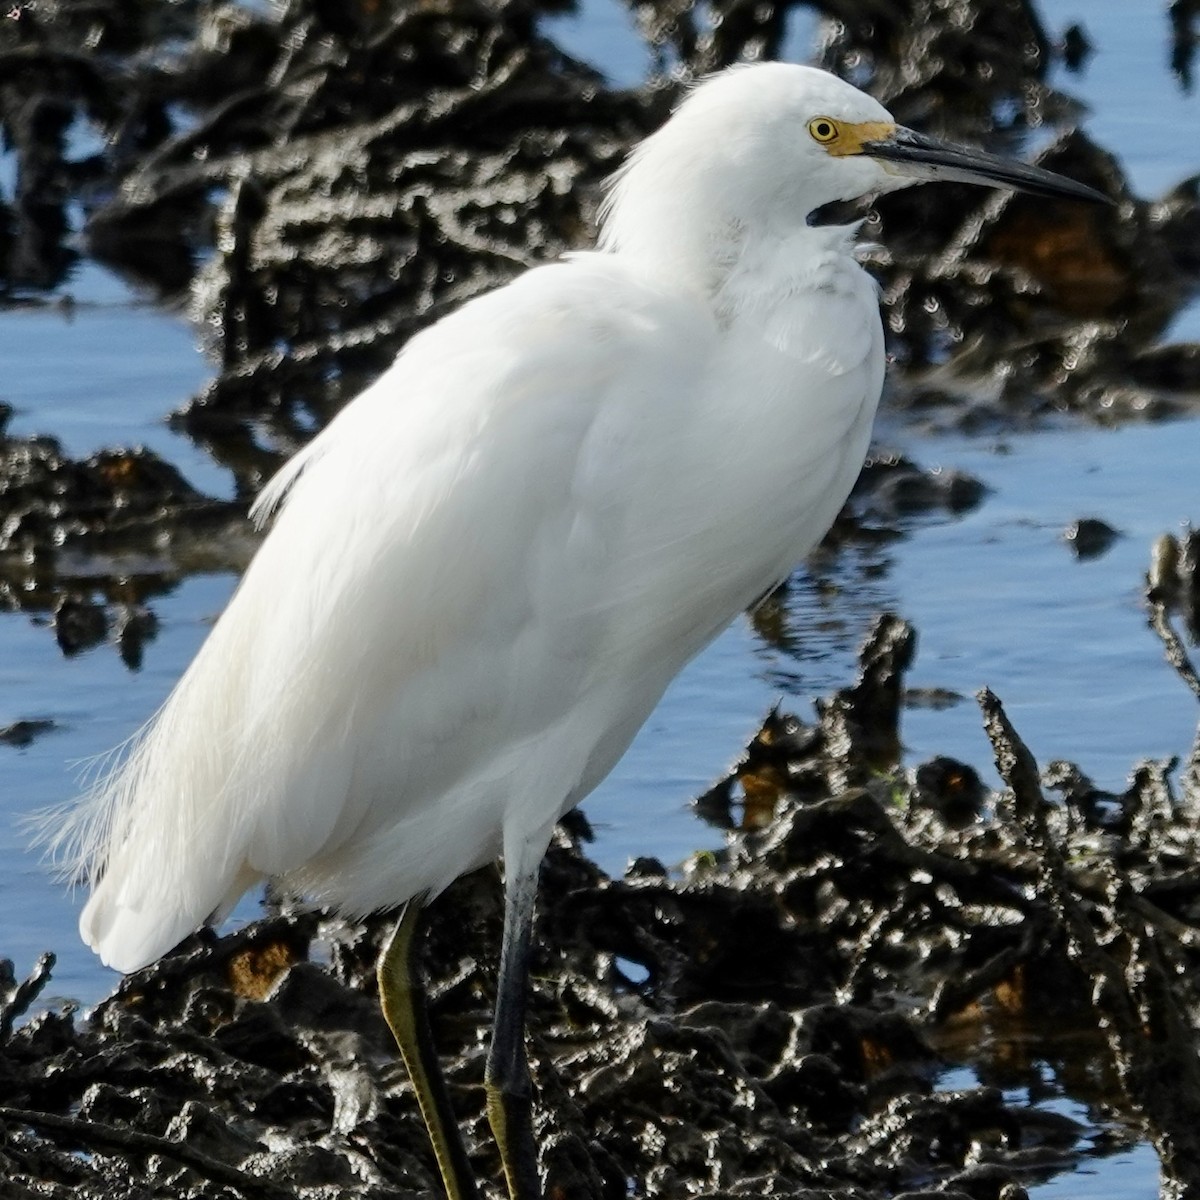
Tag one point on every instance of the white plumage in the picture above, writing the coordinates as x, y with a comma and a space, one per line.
484, 573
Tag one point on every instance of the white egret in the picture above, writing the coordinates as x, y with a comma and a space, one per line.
484, 573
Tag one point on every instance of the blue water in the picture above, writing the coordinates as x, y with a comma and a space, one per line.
996, 595
1127, 1175
1130, 1173
1136, 107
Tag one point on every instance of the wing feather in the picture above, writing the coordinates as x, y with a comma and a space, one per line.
389, 643
480, 579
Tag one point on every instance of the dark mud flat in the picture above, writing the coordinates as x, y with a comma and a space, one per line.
763, 1025
318, 181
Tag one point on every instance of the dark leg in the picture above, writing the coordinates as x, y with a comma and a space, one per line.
509, 1087
402, 995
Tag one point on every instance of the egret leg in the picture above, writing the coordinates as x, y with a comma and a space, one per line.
506, 1079
402, 996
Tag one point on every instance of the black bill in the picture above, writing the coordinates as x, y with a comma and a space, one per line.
919, 157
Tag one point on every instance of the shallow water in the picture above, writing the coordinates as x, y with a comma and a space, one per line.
1136, 107
103, 374
996, 595
1130, 1173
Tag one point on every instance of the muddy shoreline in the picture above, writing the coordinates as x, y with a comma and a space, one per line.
765, 1023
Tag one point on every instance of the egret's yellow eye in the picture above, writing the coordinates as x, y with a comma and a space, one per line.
823, 130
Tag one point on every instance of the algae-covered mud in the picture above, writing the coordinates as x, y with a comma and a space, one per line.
772, 1022
885, 971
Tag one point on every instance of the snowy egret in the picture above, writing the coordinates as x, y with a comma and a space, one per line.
484, 573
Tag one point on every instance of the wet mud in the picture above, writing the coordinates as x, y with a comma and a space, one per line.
770, 1021
317, 181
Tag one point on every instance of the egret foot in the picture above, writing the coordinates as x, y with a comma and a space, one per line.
402, 996
511, 1118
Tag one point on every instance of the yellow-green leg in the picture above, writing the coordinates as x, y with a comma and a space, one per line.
402, 995
507, 1080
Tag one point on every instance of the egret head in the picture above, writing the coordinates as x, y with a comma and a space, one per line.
757, 149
